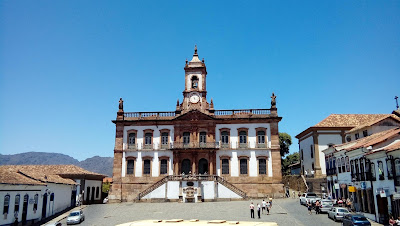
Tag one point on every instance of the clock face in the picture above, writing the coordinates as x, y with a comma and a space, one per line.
194, 98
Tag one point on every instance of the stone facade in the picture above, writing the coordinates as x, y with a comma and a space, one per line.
239, 147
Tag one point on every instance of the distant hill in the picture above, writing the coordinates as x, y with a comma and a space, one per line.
97, 164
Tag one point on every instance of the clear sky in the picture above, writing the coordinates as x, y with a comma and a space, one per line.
65, 64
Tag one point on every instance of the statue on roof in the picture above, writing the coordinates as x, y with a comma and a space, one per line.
273, 101
121, 104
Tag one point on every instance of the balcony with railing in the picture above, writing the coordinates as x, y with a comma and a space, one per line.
242, 113
166, 115
194, 145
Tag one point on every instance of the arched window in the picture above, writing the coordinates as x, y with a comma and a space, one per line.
6, 204
373, 172
343, 165
16, 205
195, 82
357, 170
362, 169
381, 170
389, 168
97, 192
339, 165
347, 164
35, 204
397, 171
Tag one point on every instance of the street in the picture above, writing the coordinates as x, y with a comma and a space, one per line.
284, 212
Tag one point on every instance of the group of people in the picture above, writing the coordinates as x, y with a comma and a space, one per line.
310, 206
343, 202
265, 206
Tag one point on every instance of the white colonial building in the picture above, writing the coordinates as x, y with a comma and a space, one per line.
196, 153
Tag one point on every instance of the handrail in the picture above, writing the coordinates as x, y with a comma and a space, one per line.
305, 182
191, 177
141, 115
243, 112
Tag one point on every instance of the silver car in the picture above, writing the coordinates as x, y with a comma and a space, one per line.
325, 205
337, 213
75, 217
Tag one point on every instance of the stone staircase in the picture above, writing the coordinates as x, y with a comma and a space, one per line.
191, 178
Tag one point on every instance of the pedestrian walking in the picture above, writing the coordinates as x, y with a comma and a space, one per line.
251, 210
268, 205
309, 207
317, 204
270, 201
264, 204
258, 210
293, 194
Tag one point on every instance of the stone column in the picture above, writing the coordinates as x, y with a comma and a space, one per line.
116, 188
275, 153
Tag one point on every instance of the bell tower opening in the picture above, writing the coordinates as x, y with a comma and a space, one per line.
195, 82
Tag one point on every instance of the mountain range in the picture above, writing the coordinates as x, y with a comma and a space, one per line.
97, 164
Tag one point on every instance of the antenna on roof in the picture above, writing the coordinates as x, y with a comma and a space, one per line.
397, 103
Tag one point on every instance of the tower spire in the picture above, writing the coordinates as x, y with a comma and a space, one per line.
195, 50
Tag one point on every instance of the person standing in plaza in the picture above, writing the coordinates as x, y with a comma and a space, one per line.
264, 204
270, 201
317, 207
268, 205
309, 207
251, 210
258, 210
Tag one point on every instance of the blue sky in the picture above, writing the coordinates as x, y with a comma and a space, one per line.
65, 64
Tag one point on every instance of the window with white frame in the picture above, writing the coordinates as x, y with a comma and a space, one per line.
148, 137
224, 137
17, 200
261, 137
381, 170
6, 204
164, 138
202, 137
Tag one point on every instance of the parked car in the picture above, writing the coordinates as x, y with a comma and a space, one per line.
75, 217
337, 213
326, 205
308, 197
355, 219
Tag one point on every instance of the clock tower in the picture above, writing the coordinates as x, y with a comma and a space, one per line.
195, 93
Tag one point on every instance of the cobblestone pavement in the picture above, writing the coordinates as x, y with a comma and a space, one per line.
284, 212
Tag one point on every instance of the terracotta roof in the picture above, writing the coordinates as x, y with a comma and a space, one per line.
369, 140
372, 122
348, 120
50, 173
9, 175
392, 147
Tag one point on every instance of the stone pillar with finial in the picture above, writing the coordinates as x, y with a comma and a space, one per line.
274, 110
211, 110
178, 108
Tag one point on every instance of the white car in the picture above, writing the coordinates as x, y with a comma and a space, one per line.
75, 217
337, 213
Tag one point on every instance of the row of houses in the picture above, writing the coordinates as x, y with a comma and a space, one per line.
30, 193
356, 157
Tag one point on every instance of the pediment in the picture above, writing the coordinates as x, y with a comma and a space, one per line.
194, 115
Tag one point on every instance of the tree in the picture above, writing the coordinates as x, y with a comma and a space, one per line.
285, 140
290, 159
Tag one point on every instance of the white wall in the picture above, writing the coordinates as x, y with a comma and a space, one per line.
139, 135
22, 190
91, 184
224, 192
252, 136
158, 193
323, 141
173, 189
307, 160
253, 162
62, 198
207, 189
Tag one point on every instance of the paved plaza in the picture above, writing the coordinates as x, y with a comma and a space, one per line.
284, 212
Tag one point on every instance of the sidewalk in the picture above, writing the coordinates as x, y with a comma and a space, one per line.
64, 215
